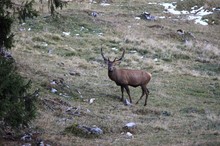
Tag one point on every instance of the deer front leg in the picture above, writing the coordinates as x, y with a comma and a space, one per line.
122, 93
128, 92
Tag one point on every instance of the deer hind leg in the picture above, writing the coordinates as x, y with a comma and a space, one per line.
147, 93
143, 92
128, 92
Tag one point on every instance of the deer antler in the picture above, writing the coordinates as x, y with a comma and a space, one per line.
121, 56
103, 55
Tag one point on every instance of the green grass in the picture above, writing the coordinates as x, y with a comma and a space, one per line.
183, 104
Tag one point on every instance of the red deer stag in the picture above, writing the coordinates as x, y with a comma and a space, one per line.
127, 77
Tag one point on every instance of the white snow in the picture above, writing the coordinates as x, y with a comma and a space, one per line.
162, 17
114, 49
152, 3
195, 14
66, 33
104, 4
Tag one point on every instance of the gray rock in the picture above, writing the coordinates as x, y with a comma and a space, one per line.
94, 14
96, 131
129, 135
130, 125
26, 137
127, 103
93, 130
74, 73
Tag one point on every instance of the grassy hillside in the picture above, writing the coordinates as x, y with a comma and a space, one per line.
184, 101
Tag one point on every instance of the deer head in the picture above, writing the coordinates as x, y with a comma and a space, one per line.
111, 64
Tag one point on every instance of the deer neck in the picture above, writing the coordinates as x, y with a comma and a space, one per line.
112, 74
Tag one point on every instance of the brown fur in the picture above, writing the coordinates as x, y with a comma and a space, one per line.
128, 77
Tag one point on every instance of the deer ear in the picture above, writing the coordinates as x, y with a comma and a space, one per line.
117, 61
106, 61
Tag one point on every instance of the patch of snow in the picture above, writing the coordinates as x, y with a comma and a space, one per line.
175, 12
104, 4
82, 28
204, 12
152, 3
161, 17
170, 8
22, 29
133, 51
100, 34
155, 60
44, 44
64, 95
137, 18
195, 14
202, 22
66, 33
184, 12
168, 5
115, 49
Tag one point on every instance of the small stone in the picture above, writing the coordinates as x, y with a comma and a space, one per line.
129, 135
96, 131
180, 32
73, 73
127, 103
130, 125
91, 100
216, 133
165, 113
53, 90
69, 109
26, 137
53, 83
155, 59
93, 130
94, 14
41, 143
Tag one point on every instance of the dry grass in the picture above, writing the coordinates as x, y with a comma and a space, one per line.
183, 105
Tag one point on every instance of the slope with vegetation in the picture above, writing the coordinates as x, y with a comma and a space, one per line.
62, 58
